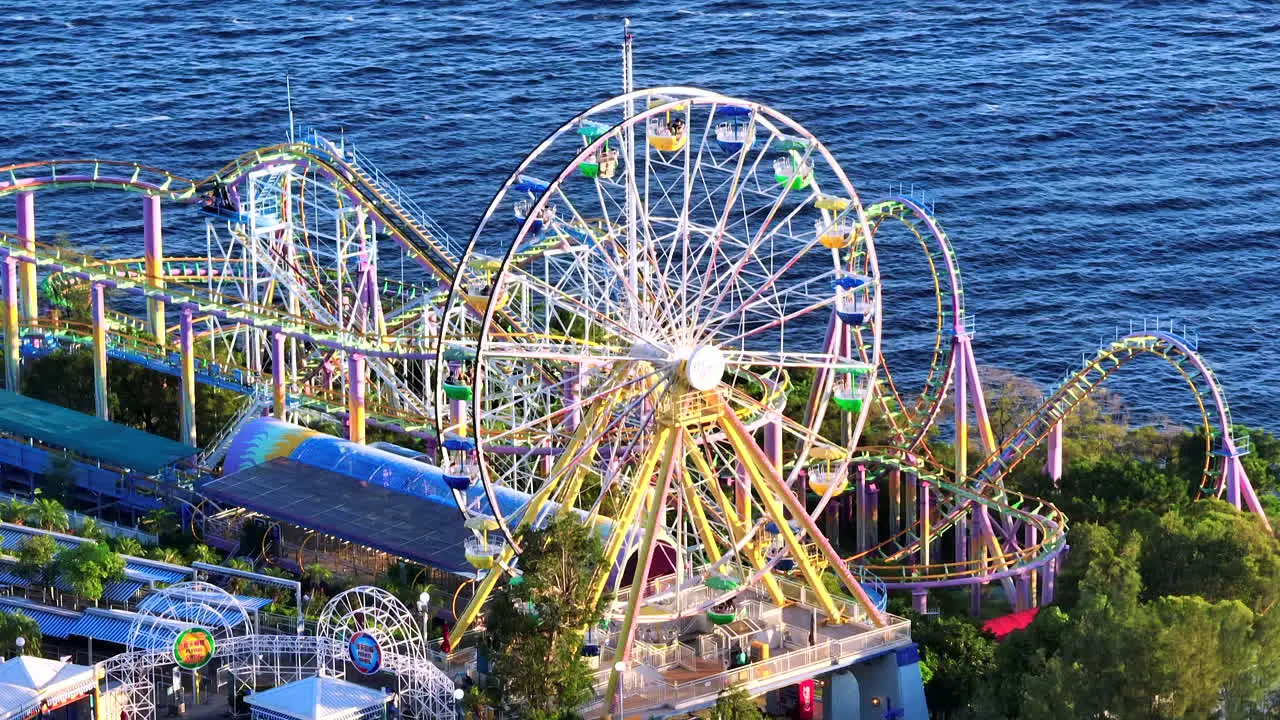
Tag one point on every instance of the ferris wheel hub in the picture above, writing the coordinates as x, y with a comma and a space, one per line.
704, 368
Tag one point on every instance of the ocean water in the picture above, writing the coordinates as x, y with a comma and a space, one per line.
1094, 162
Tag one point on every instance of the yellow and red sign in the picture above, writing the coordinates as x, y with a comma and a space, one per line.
193, 649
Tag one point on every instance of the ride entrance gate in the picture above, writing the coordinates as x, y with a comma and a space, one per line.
363, 633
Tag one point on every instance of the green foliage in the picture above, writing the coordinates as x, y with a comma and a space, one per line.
89, 567
14, 626
735, 704
959, 655
35, 560
13, 510
163, 523
48, 514
127, 546
199, 552
90, 529
536, 626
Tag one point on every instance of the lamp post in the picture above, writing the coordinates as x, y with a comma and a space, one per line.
458, 694
21, 642
620, 667
424, 604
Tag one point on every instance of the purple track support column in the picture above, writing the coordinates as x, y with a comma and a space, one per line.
28, 302
186, 340
100, 328
920, 600
1047, 580
1031, 538
1053, 463
355, 398
12, 339
153, 249
860, 518
278, 362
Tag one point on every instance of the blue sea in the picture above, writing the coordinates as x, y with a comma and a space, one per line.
1094, 162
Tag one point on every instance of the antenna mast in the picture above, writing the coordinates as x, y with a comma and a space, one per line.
629, 147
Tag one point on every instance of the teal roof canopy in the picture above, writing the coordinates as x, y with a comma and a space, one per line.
89, 437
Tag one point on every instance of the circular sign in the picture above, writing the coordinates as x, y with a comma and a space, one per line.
193, 648
365, 653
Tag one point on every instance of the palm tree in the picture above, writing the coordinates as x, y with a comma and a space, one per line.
316, 575
203, 553
165, 554
161, 521
92, 530
48, 515
236, 585
14, 510
126, 545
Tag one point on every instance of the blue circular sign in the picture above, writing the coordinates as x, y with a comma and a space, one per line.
365, 653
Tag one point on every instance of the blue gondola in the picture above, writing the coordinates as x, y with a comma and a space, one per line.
457, 479
734, 132
529, 184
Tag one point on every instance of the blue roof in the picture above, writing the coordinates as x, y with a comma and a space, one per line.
52, 624
114, 627
12, 536
157, 571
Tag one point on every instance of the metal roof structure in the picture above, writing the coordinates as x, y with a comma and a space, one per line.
53, 622
403, 525
317, 698
88, 436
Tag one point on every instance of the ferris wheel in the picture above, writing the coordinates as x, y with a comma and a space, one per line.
692, 263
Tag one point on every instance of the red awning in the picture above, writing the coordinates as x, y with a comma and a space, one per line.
1005, 624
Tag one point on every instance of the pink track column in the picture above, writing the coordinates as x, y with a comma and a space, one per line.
98, 301
186, 340
12, 337
153, 249
1053, 463
278, 362
355, 397
28, 302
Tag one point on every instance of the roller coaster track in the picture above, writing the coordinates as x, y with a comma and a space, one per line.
911, 422
1178, 350
351, 172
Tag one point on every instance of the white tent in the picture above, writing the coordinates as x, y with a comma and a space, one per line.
28, 682
318, 699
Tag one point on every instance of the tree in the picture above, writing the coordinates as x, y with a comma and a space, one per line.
200, 552
959, 655
14, 626
35, 560
48, 514
536, 622
126, 545
89, 567
91, 529
161, 522
14, 510
735, 704
165, 554
316, 575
